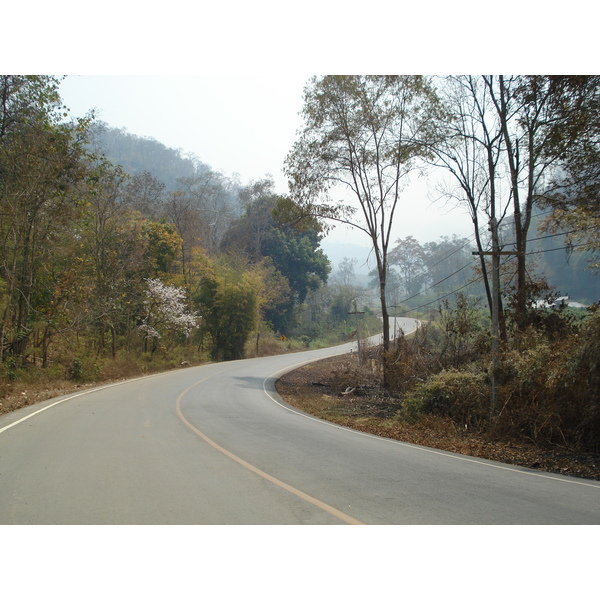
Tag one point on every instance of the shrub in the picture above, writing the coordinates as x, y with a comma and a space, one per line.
76, 370
461, 328
550, 391
460, 395
11, 369
122, 366
411, 360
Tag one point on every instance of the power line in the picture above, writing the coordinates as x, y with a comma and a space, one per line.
469, 240
478, 279
443, 258
474, 281
560, 248
437, 282
546, 237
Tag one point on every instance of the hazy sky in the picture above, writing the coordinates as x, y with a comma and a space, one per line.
225, 82
244, 124
236, 72
235, 123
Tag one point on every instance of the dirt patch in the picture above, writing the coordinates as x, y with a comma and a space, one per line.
19, 396
331, 390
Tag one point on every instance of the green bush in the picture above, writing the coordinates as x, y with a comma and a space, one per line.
461, 395
12, 372
76, 370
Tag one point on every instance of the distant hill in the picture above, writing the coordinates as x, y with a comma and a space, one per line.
566, 273
136, 154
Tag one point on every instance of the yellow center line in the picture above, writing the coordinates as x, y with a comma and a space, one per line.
322, 505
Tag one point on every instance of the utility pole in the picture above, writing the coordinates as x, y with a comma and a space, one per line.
356, 313
495, 254
396, 307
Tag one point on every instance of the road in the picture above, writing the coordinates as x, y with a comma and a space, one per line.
216, 445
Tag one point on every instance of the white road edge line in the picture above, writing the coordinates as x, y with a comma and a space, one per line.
278, 374
274, 377
318, 503
77, 395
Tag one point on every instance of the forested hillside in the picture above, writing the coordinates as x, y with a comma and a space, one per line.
114, 247
119, 256
138, 154
416, 267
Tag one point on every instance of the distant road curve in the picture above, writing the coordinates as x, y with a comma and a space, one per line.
216, 445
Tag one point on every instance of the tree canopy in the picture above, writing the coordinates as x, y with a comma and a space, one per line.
294, 252
362, 136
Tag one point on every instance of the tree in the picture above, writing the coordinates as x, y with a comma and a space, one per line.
213, 198
42, 158
409, 257
470, 151
107, 236
121, 249
506, 138
248, 233
522, 108
166, 312
448, 260
180, 211
162, 247
346, 272
256, 190
573, 192
230, 299
362, 135
296, 254
546, 121
202, 210
145, 193
294, 251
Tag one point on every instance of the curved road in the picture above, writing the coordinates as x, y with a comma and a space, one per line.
216, 445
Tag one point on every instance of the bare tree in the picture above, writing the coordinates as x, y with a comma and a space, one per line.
409, 256
543, 120
145, 193
363, 135
471, 152
212, 197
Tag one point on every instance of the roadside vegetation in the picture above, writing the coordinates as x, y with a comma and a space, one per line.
520, 155
108, 271
120, 257
548, 406
72, 368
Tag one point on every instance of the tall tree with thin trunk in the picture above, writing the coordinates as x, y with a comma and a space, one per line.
41, 160
471, 152
544, 121
362, 136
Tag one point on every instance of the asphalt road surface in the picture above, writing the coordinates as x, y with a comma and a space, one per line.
216, 445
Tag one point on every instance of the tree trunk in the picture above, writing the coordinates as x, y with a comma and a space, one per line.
114, 341
382, 267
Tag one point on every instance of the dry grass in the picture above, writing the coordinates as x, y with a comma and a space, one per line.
19, 394
36, 385
317, 389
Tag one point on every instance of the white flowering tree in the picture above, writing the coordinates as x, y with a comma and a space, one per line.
165, 312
